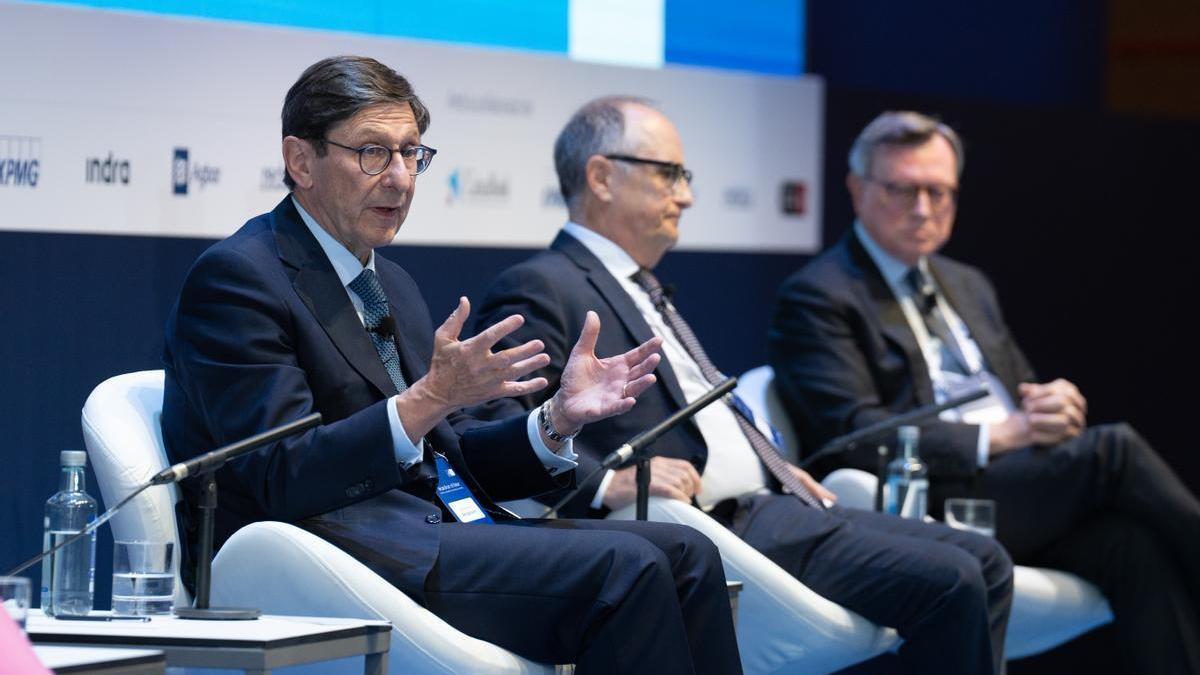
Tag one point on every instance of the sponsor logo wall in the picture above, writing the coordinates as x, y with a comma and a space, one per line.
135, 143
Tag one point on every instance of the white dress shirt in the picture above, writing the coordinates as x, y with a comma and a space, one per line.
733, 468
947, 383
407, 453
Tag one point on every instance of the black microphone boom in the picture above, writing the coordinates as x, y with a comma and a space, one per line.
911, 417
216, 459
637, 443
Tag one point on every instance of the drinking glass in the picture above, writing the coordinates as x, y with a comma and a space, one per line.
143, 580
973, 515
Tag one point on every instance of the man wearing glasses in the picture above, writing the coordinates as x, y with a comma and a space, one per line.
294, 313
620, 169
880, 324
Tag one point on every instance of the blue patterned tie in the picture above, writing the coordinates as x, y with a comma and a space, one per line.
375, 309
763, 447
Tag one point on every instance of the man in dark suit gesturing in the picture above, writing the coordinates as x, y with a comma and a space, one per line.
880, 324
620, 168
295, 313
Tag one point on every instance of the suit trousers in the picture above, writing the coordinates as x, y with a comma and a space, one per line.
946, 592
1106, 507
608, 596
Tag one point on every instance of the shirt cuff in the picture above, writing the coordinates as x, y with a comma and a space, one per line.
555, 463
406, 452
598, 500
981, 448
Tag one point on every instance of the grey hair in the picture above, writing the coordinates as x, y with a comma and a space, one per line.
902, 127
595, 129
335, 89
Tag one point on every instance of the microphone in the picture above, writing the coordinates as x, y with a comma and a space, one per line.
386, 328
637, 443
623, 453
206, 462
214, 460
890, 424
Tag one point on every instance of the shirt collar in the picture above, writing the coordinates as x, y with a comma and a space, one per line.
893, 270
613, 257
344, 262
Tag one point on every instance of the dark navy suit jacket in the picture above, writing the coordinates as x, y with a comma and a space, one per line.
553, 290
265, 333
845, 357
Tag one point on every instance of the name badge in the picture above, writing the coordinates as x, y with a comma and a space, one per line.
741, 407
456, 495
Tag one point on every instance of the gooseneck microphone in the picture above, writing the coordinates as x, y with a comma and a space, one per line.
202, 464
639, 442
214, 460
890, 424
386, 327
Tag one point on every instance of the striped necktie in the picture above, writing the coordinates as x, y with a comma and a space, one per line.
766, 451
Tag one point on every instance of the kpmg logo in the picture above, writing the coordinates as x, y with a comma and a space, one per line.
184, 173
107, 171
468, 186
794, 198
20, 161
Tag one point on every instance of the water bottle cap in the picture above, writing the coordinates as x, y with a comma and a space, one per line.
73, 458
910, 434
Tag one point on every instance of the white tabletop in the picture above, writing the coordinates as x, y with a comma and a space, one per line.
165, 628
80, 659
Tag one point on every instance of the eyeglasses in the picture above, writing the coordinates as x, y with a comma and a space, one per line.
374, 159
670, 171
941, 197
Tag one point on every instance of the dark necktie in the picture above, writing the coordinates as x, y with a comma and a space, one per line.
925, 295
766, 451
375, 310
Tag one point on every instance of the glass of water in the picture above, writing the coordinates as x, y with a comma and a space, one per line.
143, 579
14, 598
973, 515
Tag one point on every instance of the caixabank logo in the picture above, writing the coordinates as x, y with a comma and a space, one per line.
185, 173
20, 161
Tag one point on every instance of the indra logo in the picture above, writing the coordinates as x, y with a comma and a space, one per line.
107, 171
184, 173
20, 161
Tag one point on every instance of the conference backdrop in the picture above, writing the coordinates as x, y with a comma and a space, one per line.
134, 134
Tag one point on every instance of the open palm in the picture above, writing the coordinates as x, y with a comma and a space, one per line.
592, 388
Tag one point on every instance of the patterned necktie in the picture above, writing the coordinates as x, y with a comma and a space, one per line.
925, 295
766, 451
375, 309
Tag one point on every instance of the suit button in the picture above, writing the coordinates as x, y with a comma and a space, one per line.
433, 519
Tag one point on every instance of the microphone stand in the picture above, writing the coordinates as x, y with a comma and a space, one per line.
890, 424
205, 464
636, 445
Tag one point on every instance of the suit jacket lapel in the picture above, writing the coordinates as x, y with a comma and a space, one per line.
622, 305
319, 286
893, 323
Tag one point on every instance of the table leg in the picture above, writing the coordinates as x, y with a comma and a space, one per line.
375, 664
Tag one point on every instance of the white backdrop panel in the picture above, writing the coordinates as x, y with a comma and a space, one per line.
131, 91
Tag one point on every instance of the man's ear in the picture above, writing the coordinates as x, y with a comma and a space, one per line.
298, 157
599, 172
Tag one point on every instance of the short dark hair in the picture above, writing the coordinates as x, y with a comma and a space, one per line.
335, 89
902, 127
595, 129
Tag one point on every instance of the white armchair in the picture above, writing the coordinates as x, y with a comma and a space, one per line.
275, 567
1050, 607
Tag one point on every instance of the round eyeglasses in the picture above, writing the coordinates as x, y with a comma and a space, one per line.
374, 159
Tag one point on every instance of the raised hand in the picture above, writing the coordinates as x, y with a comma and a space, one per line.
592, 388
466, 372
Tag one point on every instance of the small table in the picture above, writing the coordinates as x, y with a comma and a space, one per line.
100, 660
253, 646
